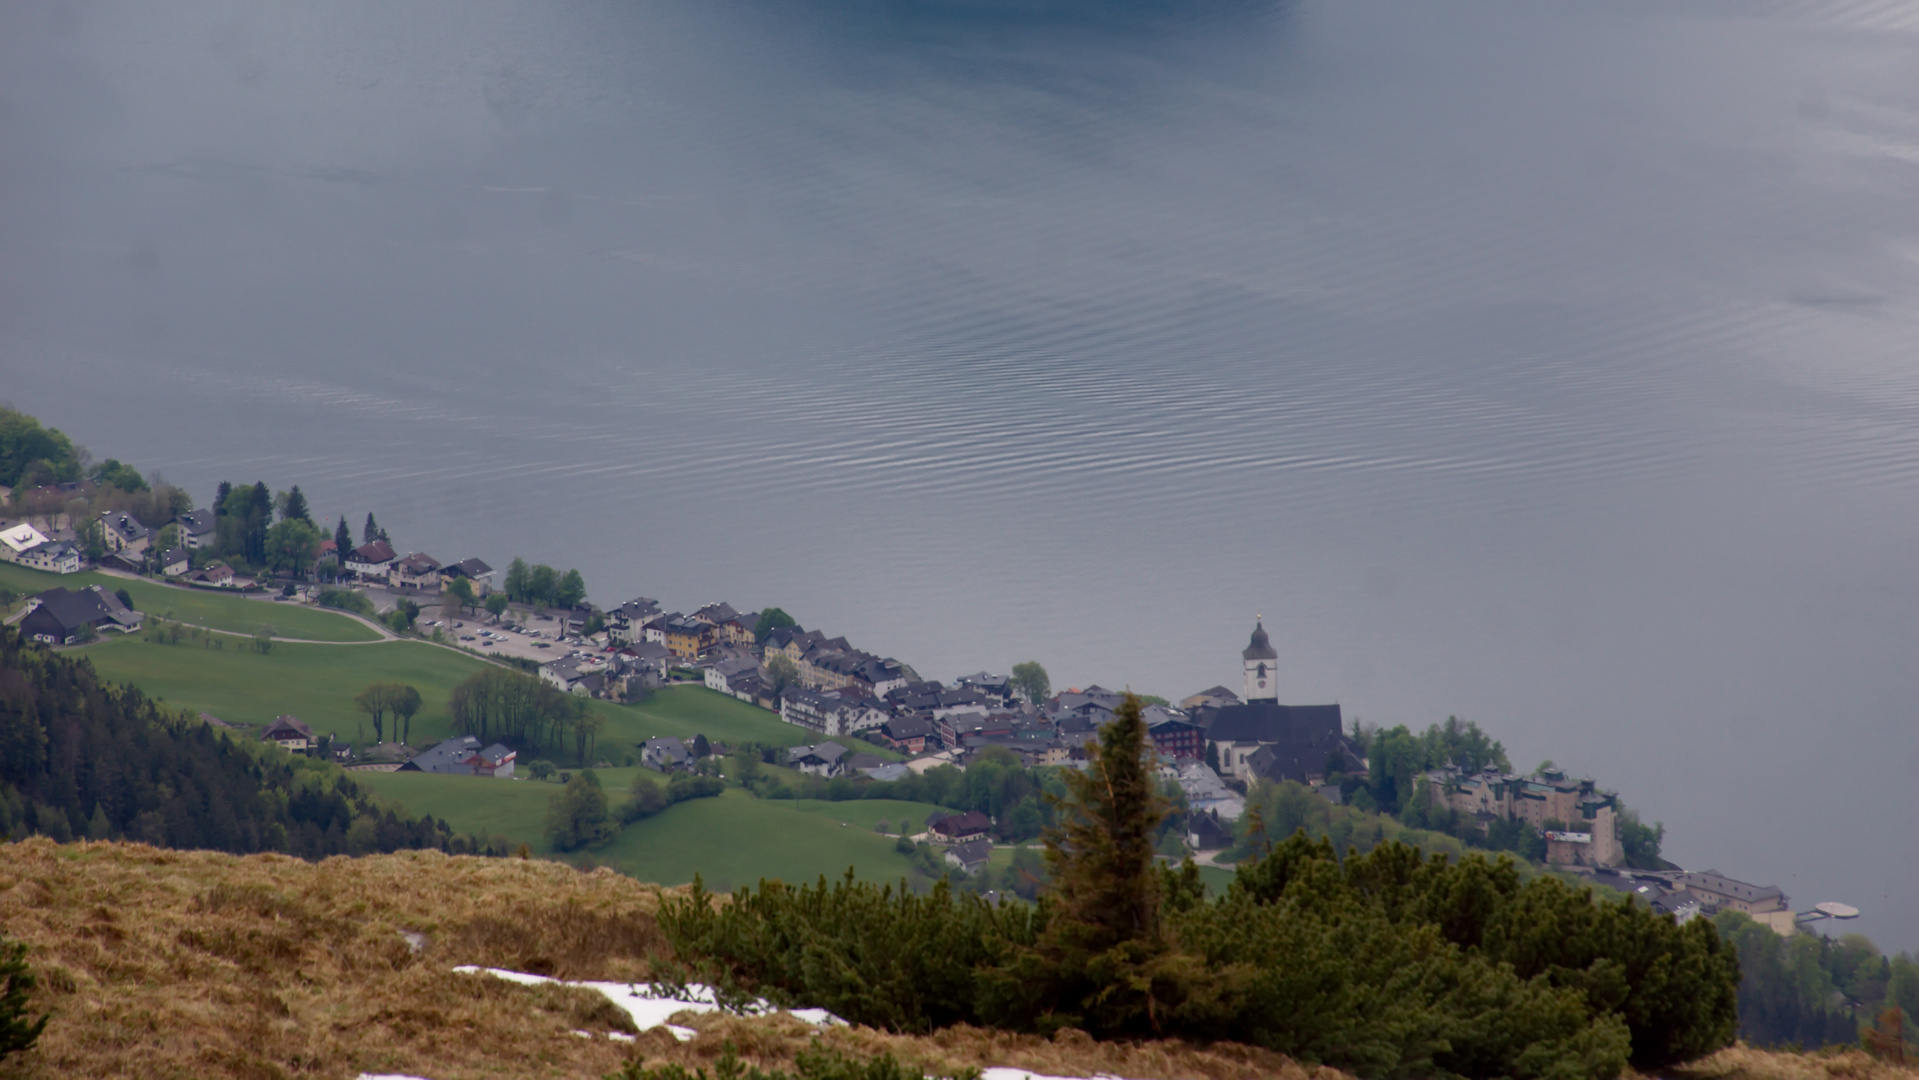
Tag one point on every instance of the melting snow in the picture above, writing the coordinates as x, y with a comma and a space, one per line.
649, 1010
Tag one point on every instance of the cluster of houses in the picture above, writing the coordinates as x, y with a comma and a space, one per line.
1580, 821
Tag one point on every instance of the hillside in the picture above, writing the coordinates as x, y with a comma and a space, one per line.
194, 964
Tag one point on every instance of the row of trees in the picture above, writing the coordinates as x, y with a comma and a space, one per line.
543, 586
525, 712
381, 698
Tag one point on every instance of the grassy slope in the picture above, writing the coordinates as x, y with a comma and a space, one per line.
233, 612
313, 682
733, 839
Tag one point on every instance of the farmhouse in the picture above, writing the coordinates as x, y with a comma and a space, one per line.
67, 616
826, 759
665, 754
969, 858
291, 734
960, 828
462, 756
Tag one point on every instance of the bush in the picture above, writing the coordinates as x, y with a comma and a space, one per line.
813, 1063
346, 600
18, 1029
647, 797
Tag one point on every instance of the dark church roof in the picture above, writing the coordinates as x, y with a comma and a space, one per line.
1261, 648
1296, 741
1270, 722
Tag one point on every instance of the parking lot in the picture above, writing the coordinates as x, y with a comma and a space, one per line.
519, 633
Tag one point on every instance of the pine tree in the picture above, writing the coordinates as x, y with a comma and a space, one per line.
1104, 962
371, 532
342, 539
297, 507
220, 497
18, 1031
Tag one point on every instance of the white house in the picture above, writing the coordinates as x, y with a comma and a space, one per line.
16, 541
371, 560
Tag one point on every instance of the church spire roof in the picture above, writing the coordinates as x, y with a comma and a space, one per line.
1260, 648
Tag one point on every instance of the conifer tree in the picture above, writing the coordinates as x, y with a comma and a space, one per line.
371, 532
342, 539
297, 507
18, 1029
1104, 961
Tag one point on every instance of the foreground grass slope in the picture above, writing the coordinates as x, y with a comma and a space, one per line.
170, 964
190, 964
218, 611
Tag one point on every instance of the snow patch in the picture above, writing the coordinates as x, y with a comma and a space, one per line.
644, 1003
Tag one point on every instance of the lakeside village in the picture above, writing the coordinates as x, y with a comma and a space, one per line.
1215, 744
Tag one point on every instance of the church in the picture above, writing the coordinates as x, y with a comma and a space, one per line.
1258, 738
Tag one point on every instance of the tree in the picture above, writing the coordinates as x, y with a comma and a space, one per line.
112, 473
516, 575
296, 508
770, 620
577, 816
405, 702
24, 443
1103, 962
462, 591
570, 592
496, 604
542, 584
541, 769
220, 497
374, 701
587, 726
371, 531
781, 672
1030, 681
263, 640
291, 545
342, 539
18, 1029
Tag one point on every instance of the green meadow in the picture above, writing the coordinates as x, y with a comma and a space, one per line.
732, 839
219, 611
317, 683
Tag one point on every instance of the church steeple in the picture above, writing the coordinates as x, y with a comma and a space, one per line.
1261, 663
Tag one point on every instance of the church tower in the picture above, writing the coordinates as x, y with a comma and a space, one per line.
1262, 671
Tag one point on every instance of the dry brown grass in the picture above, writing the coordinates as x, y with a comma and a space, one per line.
1743, 1063
195, 964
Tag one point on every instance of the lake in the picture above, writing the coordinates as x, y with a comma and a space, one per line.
1550, 364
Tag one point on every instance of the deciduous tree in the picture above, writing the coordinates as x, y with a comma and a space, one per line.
1029, 680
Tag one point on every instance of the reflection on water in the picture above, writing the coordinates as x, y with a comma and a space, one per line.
1545, 363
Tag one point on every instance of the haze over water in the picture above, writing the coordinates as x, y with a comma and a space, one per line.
1550, 364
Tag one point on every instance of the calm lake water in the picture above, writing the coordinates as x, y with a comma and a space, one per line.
1550, 364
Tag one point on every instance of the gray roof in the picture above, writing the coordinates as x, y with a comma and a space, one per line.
448, 757
665, 748
972, 853
1714, 882
74, 608
196, 522
1260, 648
826, 752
